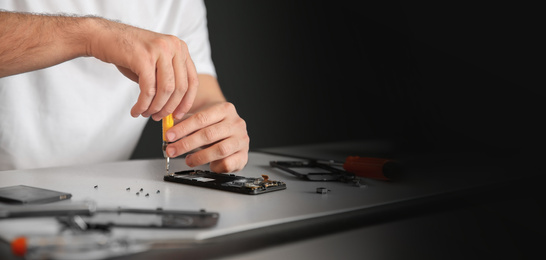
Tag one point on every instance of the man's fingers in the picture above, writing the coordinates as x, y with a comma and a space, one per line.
185, 104
198, 121
165, 86
191, 85
177, 84
146, 82
201, 138
221, 150
235, 162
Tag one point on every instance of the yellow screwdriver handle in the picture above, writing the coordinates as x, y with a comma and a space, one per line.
167, 123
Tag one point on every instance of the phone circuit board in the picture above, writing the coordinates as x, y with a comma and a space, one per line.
227, 182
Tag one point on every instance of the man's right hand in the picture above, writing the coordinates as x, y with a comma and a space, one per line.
161, 64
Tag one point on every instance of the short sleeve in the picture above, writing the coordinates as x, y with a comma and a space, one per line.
194, 32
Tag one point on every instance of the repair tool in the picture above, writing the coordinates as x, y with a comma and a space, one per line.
368, 167
91, 245
167, 123
71, 245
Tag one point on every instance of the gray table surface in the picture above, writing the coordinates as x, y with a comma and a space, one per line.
239, 213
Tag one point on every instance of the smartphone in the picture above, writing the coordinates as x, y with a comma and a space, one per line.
226, 182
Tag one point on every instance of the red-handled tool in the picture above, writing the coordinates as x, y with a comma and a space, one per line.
330, 170
370, 167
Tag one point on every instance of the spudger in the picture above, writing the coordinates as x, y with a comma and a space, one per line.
167, 123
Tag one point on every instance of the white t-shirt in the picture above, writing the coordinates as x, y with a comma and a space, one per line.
78, 112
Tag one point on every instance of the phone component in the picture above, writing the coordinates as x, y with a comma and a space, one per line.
144, 218
321, 171
47, 210
22, 194
227, 182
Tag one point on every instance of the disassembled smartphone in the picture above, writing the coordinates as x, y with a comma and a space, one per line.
227, 182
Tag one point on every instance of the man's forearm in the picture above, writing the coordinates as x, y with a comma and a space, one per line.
30, 42
159, 63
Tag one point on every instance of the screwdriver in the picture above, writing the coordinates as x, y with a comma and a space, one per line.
369, 167
167, 123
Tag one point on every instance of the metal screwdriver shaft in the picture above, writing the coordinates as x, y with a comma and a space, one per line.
167, 164
166, 157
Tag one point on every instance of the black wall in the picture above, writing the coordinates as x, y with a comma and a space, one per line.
427, 75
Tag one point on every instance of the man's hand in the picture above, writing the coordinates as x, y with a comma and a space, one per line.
161, 64
221, 133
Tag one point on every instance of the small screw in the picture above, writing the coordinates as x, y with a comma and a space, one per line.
96, 186
137, 193
141, 189
322, 190
147, 194
128, 188
157, 191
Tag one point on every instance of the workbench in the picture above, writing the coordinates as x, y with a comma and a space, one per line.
430, 212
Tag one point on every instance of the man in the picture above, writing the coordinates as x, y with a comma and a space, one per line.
59, 106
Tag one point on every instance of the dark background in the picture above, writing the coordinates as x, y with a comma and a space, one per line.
429, 76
